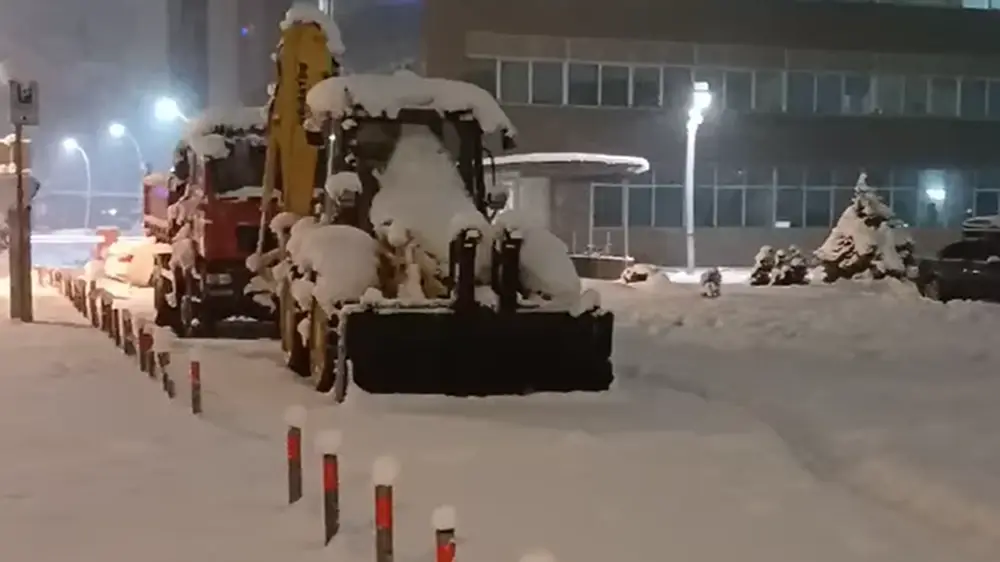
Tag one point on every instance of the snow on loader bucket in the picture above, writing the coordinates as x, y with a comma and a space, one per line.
463, 348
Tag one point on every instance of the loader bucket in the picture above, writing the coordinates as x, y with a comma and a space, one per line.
479, 352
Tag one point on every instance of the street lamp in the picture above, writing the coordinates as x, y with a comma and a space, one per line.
701, 99
71, 145
167, 109
119, 131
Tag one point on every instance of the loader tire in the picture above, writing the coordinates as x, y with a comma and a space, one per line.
322, 356
295, 351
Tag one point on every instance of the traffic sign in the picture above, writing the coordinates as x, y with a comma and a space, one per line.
24, 103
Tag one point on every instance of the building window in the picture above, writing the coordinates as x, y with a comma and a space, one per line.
729, 207
768, 90
915, 95
513, 82
759, 206
640, 206
857, 94
801, 92
668, 205
818, 209
583, 84
841, 200
646, 86
704, 206
829, 93
608, 208
614, 85
677, 86
944, 97
739, 90
973, 103
788, 207
482, 73
904, 205
889, 98
547, 83
993, 100
987, 203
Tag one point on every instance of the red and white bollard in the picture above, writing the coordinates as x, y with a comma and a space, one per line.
194, 374
161, 353
328, 444
384, 474
145, 350
444, 520
295, 419
538, 556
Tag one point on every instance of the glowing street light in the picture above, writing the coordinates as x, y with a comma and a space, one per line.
73, 146
167, 110
119, 131
701, 100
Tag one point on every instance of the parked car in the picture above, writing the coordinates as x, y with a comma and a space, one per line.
968, 269
131, 261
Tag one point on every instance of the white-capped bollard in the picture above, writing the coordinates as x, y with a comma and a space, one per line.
444, 520
295, 419
385, 471
328, 444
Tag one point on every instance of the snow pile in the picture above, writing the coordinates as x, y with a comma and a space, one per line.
864, 241
385, 95
342, 183
641, 272
309, 13
781, 267
546, 267
421, 193
711, 283
344, 258
210, 135
632, 164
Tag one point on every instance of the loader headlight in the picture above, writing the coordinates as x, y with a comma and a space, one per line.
218, 279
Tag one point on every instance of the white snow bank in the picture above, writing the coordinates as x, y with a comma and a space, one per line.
633, 164
388, 94
341, 183
305, 12
422, 192
345, 260
545, 263
202, 133
283, 221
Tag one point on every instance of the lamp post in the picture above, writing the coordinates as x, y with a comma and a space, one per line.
119, 131
71, 145
167, 110
701, 99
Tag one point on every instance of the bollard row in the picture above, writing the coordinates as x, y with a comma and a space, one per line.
135, 336
385, 472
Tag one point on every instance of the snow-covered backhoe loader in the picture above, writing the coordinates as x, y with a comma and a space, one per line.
406, 279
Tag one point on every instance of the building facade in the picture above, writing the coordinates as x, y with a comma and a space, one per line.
807, 96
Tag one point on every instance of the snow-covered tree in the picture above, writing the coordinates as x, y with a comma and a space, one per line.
865, 241
763, 265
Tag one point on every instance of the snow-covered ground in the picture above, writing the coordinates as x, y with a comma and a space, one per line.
866, 383
108, 469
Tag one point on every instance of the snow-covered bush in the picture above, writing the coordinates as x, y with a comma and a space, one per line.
711, 283
865, 241
639, 272
790, 267
763, 266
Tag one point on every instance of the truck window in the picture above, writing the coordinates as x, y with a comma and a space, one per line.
972, 250
244, 167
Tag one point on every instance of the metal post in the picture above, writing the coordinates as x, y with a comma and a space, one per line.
692, 132
21, 274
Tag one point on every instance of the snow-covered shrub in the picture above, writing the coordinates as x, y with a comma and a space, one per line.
711, 283
639, 272
763, 265
865, 241
790, 267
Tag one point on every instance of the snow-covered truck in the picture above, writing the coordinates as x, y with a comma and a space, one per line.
407, 282
204, 217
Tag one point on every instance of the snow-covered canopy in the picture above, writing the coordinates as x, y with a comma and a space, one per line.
583, 163
387, 94
303, 12
982, 223
207, 134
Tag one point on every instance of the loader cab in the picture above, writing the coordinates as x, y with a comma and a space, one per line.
366, 146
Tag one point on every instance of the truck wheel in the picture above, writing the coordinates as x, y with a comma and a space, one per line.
295, 351
322, 356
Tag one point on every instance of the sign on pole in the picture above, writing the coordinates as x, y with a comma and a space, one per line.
24, 103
